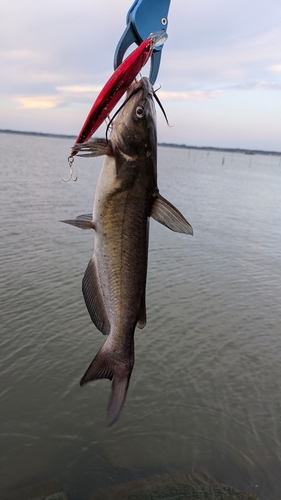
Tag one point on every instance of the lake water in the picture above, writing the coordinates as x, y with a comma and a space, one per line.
205, 390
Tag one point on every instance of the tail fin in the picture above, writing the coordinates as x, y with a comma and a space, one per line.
104, 365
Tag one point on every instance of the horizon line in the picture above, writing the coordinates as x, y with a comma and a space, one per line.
163, 144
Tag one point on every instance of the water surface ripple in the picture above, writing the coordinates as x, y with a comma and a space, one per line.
205, 390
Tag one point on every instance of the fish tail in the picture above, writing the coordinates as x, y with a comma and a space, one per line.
105, 365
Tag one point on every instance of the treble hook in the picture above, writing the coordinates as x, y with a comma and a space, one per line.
70, 161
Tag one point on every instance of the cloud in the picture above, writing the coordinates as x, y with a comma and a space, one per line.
192, 95
38, 102
276, 68
18, 54
261, 85
220, 64
267, 86
56, 56
78, 93
64, 95
79, 89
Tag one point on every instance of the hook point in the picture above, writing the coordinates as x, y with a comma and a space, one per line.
70, 161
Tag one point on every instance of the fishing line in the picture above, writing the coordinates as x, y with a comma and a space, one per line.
59, 205
65, 197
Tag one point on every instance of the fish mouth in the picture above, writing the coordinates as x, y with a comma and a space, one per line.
143, 85
145, 93
148, 93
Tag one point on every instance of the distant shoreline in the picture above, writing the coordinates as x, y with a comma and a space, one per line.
163, 144
37, 134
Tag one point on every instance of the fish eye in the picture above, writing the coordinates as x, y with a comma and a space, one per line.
140, 111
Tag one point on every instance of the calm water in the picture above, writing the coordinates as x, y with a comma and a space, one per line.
205, 390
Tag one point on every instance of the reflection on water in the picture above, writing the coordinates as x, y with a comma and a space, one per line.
205, 390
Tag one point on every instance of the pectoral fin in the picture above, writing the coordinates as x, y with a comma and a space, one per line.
164, 212
93, 298
82, 221
93, 147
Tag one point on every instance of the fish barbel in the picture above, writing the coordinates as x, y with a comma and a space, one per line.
126, 197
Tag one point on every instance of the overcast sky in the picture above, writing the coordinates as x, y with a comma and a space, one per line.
220, 73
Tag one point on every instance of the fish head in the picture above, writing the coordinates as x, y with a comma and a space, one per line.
134, 129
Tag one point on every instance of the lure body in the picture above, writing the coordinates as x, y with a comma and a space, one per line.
114, 89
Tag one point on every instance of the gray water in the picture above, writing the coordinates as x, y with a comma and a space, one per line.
205, 389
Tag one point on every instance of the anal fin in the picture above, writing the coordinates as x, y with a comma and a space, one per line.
142, 314
93, 298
